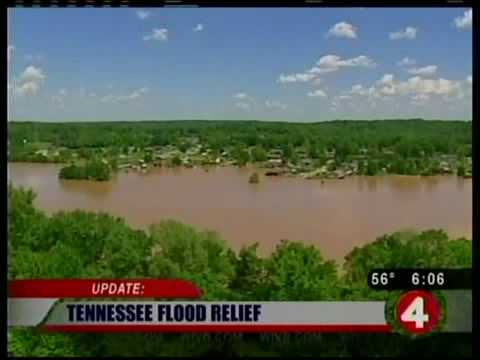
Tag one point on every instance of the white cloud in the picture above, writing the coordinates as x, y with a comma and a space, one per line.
143, 14
157, 34
123, 98
138, 93
243, 105
329, 63
469, 79
465, 21
133, 95
275, 105
92, 94
343, 29
386, 79
199, 27
428, 70
409, 33
32, 73
420, 99
417, 85
358, 89
58, 101
406, 61
243, 96
299, 77
10, 50
29, 81
326, 64
240, 96
429, 86
317, 93
27, 88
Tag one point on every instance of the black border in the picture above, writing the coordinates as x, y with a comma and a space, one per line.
475, 225
239, 3
279, 3
4, 249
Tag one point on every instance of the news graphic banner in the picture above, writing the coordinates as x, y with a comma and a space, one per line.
174, 306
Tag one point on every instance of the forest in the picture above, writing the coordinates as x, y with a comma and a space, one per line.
82, 244
328, 149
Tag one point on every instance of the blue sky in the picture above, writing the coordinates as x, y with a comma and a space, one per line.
265, 64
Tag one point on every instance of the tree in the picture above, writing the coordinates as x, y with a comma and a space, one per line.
176, 161
298, 272
372, 168
461, 169
288, 151
242, 157
259, 154
148, 157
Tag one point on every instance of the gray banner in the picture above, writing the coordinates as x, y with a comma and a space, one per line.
174, 313
28, 311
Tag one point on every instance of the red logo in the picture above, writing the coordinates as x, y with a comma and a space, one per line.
418, 312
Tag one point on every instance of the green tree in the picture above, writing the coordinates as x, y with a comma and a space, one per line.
299, 272
372, 168
259, 154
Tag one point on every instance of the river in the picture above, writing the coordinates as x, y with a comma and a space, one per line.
335, 215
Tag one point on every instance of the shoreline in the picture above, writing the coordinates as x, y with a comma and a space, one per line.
250, 167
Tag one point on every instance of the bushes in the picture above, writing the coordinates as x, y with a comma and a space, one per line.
92, 170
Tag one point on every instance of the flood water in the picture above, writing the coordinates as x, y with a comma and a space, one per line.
335, 216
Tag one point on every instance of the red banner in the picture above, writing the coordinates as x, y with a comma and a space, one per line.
91, 288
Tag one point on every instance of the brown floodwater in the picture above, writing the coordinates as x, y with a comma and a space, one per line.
335, 215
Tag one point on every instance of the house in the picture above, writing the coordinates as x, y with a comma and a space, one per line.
340, 174
275, 154
275, 162
43, 152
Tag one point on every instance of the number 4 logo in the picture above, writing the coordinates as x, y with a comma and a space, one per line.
415, 313
418, 312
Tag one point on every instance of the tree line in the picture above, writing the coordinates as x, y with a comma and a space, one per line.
82, 244
409, 138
